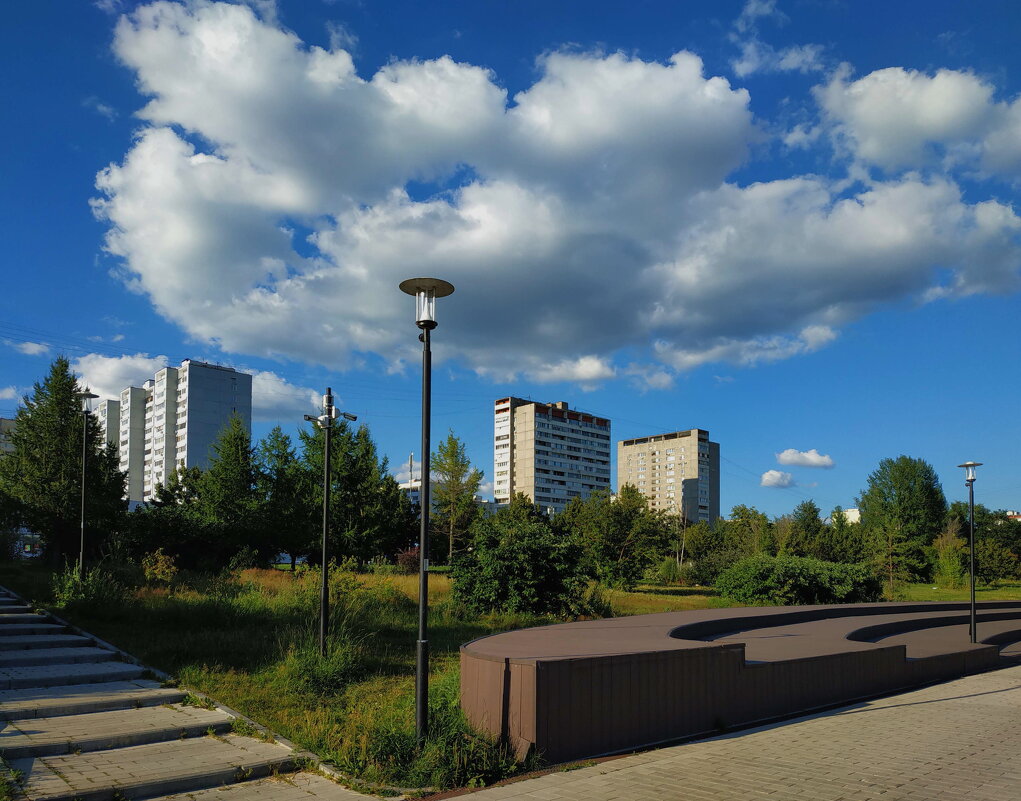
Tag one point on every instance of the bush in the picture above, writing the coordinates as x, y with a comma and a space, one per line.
666, 572
711, 566
407, 561
518, 564
94, 588
794, 580
308, 672
159, 568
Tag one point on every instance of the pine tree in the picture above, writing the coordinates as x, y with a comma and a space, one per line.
456, 483
228, 497
284, 515
43, 474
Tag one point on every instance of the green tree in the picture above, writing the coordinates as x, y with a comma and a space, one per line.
42, 476
994, 562
842, 541
748, 531
948, 548
228, 496
904, 508
173, 520
455, 485
989, 524
808, 529
622, 536
285, 516
518, 563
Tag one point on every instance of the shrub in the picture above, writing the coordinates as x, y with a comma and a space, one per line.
407, 561
794, 580
309, 673
711, 565
518, 564
94, 588
666, 572
379, 566
159, 567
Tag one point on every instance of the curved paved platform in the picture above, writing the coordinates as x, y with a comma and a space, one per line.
597, 687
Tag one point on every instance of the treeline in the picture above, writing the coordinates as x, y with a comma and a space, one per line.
254, 502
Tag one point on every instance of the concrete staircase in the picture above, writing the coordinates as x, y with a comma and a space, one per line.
81, 721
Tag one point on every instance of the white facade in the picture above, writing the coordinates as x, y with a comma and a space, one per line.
548, 452
108, 414
6, 425
174, 418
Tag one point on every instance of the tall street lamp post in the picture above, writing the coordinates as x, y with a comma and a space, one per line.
86, 398
425, 291
969, 482
325, 422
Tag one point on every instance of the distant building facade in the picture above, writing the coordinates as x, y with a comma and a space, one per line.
678, 472
549, 452
173, 419
6, 427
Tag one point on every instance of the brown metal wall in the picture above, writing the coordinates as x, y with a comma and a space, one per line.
575, 708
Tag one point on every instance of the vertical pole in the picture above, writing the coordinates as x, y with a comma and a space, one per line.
324, 593
85, 437
422, 655
971, 539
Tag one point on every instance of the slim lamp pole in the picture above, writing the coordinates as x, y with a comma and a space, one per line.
86, 397
969, 482
325, 422
425, 290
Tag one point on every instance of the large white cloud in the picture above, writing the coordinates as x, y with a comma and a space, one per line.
588, 214
776, 479
897, 118
107, 376
276, 400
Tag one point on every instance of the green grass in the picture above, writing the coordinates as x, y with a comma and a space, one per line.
1007, 591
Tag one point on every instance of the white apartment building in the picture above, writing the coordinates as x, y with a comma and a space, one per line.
678, 472
174, 418
548, 452
108, 413
6, 426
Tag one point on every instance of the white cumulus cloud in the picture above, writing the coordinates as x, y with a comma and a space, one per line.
9, 393
809, 458
29, 348
276, 400
587, 216
776, 479
107, 376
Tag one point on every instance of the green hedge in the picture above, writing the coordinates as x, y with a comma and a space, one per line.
795, 580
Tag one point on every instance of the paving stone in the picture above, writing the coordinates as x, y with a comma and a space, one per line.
290, 787
14, 629
84, 698
24, 617
55, 656
146, 771
102, 730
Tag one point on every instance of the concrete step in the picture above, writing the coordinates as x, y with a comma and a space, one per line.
98, 731
145, 771
22, 642
78, 699
14, 678
55, 656
22, 617
17, 629
290, 787
14, 609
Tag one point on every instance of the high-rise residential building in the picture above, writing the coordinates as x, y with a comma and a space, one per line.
173, 419
108, 413
678, 472
548, 452
6, 426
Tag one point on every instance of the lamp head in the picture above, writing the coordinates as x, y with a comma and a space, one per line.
969, 470
87, 398
426, 290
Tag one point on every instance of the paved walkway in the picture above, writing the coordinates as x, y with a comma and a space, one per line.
958, 740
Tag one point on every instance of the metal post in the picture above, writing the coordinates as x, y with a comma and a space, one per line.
973, 621
324, 595
85, 438
422, 654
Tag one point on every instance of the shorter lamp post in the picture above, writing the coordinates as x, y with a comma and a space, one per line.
425, 292
86, 398
325, 422
969, 482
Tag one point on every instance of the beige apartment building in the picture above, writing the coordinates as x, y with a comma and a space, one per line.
677, 472
549, 452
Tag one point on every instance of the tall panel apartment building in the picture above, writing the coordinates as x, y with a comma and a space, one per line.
677, 472
548, 452
174, 418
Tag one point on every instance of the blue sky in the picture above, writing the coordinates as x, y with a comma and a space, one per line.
794, 223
